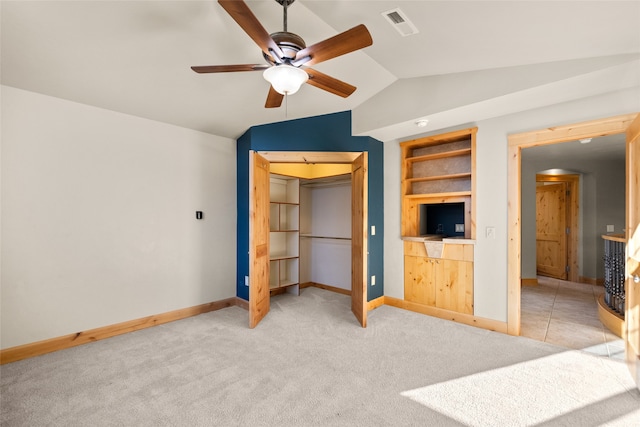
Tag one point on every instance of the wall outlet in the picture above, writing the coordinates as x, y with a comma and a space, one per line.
373, 280
611, 228
246, 280
459, 228
491, 232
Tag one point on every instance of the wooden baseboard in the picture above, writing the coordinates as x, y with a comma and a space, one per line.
38, 348
375, 303
529, 282
25, 351
591, 281
467, 319
326, 287
242, 303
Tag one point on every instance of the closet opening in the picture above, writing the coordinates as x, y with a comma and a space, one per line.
317, 227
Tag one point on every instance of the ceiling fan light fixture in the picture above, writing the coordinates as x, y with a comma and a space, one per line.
285, 79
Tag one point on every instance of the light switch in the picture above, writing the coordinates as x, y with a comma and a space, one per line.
373, 230
491, 232
611, 228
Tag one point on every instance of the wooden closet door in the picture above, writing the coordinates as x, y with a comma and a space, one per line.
258, 238
359, 248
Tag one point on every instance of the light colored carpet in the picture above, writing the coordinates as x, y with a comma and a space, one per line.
309, 363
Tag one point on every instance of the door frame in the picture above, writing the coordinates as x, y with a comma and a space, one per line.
337, 157
517, 142
573, 213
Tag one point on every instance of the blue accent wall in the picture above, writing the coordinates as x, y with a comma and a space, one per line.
331, 132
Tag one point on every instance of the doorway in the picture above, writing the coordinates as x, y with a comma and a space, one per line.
259, 211
627, 124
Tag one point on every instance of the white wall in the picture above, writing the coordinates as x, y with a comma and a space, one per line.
490, 271
98, 217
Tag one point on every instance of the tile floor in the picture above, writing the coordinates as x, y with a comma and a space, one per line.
566, 314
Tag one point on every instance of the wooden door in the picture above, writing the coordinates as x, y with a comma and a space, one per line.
551, 234
632, 267
359, 244
258, 238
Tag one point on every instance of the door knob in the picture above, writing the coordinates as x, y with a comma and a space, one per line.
636, 279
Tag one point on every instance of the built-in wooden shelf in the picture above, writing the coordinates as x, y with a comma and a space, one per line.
466, 175
441, 155
439, 196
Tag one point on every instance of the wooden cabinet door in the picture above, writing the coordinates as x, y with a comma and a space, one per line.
454, 285
419, 286
258, 238
632, 267
551, 234
359, 234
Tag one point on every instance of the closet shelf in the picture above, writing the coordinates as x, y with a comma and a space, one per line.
282, 257
284, 203
313, 236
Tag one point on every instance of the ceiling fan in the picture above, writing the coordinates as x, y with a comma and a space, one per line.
286, 53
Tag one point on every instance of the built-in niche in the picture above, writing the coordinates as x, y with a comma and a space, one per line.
442, 219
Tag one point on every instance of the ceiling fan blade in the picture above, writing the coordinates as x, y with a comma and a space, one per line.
274, 99
356, 38
228, 68
328, 83
241, 13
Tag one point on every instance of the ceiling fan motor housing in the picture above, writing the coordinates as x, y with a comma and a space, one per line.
289, 43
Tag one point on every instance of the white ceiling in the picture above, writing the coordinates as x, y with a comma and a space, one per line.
134, 56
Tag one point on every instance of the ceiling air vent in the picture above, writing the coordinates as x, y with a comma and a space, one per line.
400, 22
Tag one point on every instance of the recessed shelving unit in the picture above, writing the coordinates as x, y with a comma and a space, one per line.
441, 169
284, 236
437, 202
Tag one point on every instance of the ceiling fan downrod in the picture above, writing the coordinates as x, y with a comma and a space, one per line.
285, 4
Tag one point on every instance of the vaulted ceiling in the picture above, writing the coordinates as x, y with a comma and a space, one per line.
470, 60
